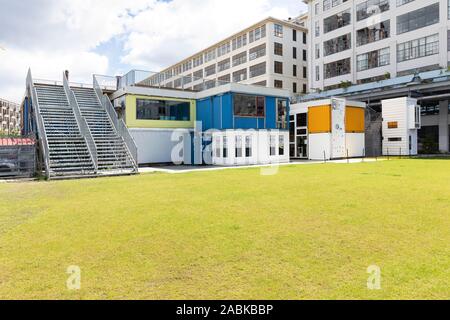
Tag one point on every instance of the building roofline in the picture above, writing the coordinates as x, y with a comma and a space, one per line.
255, 25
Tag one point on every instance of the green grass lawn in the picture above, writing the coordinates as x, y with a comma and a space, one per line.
309, 232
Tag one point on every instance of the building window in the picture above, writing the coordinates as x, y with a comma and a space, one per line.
373, 33
198, 61
217, 147
210, 55
257, 34
278, 67
278, 30
225, 147
337, 21
249, 106
317, 51
272, 145
278, 49
281, 145
223, 49
368, 8
337, 68
238, 146
294, 35
153, 109
316, 9
239, 42
248, 146
278, 84
317, 28
294, 53
223, 65
418, 19
240, 75
373, 59
304, 37
240, 58
304, 88
305, 72
418, 48
224, 79
294, 87
257, 52
317, 73
338, 44
402, 2
257, 70
210, 70
327, 4
198, 75
304, 55
294, 70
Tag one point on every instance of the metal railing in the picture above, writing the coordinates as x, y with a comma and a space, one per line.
17, 157
81, 121
42, 135
118, 124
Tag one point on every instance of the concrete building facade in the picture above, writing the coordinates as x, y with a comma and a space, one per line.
272, 53
361, 41
9, 117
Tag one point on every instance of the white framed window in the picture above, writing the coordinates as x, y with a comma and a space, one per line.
248, 146
238, 146
278, 30
273, 145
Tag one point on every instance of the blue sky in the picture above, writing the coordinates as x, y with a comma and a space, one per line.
114, 36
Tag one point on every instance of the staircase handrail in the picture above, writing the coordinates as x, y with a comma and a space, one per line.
40, 124
81, 121
118, 124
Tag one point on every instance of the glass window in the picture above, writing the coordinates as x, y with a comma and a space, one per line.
249, 106
225, 147
278, 84
272, 144
281, 114
402, 2
240, 75
281, 145
248, 146
368, 8
373, 33
240, 58
257, 52
238, 146
337, 68
217, 149
373, 59
278, 49
223, 49
278, 67
278, 30
223, 65
337, 21
338, 44
418, 48
294, 35
418, 19
153, 109
210, 70
257, 70
257, 34
294, 53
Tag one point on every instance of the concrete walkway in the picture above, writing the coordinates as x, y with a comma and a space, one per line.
173, 169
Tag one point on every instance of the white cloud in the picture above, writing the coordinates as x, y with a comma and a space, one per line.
173, 30
64, 34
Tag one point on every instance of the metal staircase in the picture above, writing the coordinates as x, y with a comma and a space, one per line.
112, 153
79, 132
69, 154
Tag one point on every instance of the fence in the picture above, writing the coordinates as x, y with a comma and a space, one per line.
17, 157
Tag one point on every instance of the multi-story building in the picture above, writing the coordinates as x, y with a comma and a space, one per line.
271, 53
9, 117
362, 41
